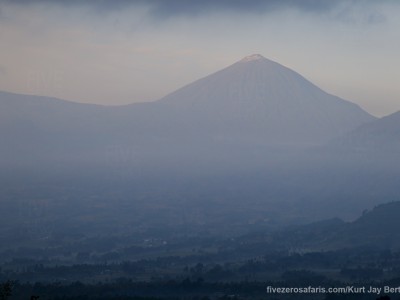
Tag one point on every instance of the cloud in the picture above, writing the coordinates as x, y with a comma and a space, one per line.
145, 12
172, 8
351, 12
179, 7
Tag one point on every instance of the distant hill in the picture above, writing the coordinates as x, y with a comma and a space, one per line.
35, 127
379, 135
377, 228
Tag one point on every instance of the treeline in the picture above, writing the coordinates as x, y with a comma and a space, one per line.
177, 277
125, 289
362, 264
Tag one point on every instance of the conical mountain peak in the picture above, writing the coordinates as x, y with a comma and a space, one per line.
261, 98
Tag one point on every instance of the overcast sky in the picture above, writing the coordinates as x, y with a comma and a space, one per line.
116, 52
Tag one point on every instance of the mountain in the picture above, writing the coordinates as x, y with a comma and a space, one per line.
250, 103
260, 100
379, 135
377, 228
49, 128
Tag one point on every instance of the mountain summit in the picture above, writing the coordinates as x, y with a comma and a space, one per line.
253, 58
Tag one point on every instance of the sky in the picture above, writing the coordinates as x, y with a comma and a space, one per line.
118, 52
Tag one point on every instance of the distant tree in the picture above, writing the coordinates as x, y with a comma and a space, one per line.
6, 290
197, 269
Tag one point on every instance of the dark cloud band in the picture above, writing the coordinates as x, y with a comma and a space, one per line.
170, 8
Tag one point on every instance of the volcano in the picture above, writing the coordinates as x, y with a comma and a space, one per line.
261, 100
